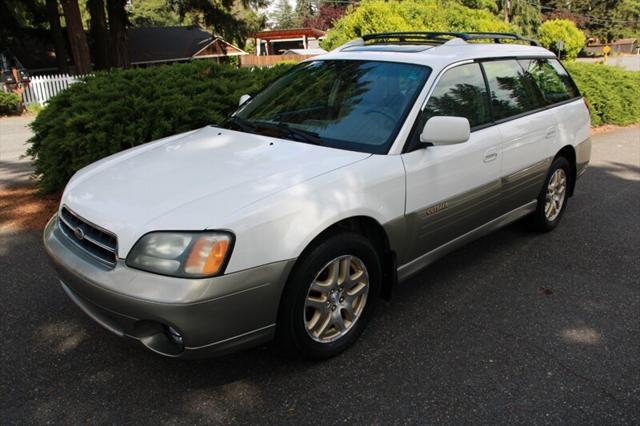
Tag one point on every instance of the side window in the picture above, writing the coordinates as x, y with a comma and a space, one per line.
513, 91
460, 92
552, 79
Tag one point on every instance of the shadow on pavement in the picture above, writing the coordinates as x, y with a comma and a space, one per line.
15, 172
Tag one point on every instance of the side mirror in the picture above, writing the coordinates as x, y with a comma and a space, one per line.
443, 130
244, 98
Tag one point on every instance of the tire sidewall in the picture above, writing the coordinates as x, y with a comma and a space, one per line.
291, 325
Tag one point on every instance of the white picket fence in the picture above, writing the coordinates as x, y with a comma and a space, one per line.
44, 87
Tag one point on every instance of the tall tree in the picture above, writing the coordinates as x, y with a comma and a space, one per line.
77, 37
283, 15
605, 19
221, 16
60, 46
527, 15
99, 33
304, 10
118, 31
151, 13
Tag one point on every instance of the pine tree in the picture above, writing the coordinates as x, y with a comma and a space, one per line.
283, 15
304, 10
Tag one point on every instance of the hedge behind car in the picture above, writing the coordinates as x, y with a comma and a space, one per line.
116, 110
612, 94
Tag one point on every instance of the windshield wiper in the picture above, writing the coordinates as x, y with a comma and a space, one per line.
304, 135
243, 124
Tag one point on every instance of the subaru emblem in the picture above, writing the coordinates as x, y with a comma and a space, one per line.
79, 233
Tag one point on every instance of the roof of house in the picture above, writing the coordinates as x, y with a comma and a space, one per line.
163, 44
290, 33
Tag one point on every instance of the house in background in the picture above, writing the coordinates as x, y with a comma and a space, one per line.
147, 46
277, 42
164, 45
623, 45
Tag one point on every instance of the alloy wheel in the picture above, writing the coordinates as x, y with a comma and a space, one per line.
336, 299
556, 193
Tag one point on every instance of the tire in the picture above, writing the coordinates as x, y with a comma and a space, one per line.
547, 217
299, 305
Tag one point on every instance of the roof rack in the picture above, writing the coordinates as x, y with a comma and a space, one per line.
419, 37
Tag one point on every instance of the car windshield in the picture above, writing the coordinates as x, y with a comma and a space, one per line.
354, 105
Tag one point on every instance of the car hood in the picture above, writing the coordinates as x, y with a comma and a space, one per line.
193, 181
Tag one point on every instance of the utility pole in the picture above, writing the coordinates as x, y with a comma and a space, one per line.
507, 6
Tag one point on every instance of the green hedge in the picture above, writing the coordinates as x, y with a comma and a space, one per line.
612, 94
117, 110
9, 103
121, 109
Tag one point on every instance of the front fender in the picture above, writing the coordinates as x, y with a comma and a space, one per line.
281, 226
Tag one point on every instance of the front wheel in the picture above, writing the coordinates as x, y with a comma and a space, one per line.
553, 198
330, 296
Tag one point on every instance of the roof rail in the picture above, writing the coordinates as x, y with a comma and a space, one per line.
419, 37
496, 37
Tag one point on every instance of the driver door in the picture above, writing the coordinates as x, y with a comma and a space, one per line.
452, 189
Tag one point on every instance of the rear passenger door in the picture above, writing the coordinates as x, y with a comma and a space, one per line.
528, 131
456, 188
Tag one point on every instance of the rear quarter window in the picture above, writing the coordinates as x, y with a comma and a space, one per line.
551, 78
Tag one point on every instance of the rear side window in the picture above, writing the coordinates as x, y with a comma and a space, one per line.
552, 79
460, 92
512, 90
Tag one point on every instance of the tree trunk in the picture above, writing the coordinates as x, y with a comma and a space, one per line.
118, 30
77, 37
99, 33
62, 56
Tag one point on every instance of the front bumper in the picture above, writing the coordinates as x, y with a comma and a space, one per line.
213, 316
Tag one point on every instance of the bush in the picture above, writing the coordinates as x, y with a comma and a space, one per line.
554, 30
411, 15
34, 109
612, 94
117, 110
9, 103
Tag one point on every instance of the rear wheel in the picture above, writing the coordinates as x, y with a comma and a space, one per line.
552, 200
330, 296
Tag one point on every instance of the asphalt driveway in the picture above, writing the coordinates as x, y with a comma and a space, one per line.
514, 328
14, 134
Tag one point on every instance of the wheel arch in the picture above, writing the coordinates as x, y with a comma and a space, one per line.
371, 229
568, 152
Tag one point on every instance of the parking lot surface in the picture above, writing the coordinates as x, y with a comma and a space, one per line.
514, 328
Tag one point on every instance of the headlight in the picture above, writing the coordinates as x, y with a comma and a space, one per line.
182, 254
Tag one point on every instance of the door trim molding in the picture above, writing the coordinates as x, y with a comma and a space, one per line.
408, 269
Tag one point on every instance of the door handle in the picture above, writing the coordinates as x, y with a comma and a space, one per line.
551, 132
490, 155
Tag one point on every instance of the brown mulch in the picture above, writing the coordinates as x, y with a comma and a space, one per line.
24, 208
610, 127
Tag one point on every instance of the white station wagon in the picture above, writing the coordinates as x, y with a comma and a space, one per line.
346, 175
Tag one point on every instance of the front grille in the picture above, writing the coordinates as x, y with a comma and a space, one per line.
98, 243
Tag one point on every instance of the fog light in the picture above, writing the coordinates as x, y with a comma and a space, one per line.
175, 336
